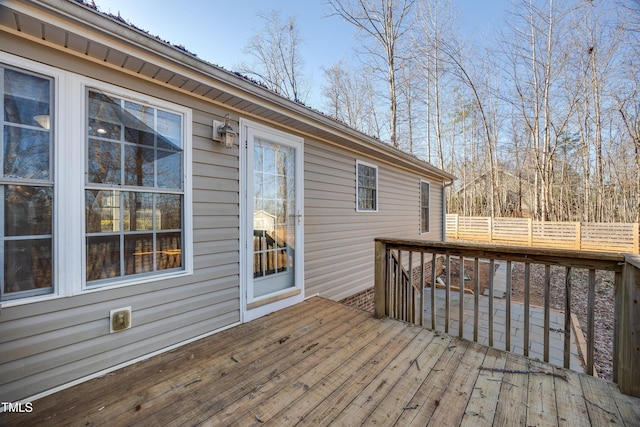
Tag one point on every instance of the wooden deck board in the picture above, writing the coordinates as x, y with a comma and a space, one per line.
323, 363
365, 402
428, 396
294, 381
601, 405
628, 406
455, 398
482, 404
397, 400
254, 368
572, 409
338, 389
541, 396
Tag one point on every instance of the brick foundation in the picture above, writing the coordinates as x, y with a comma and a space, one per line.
363, 300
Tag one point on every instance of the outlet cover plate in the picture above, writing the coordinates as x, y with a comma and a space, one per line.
119, 319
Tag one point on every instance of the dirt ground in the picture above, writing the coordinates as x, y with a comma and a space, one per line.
603, 357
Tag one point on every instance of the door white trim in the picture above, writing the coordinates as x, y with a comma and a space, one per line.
253, 308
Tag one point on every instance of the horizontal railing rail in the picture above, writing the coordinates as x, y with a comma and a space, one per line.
415, 277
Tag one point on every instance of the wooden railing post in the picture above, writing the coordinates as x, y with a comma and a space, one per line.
380, 280
627, 336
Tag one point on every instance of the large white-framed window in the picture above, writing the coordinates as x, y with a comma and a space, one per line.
424, 206
366, 187
100, 174
134, 188
26, 183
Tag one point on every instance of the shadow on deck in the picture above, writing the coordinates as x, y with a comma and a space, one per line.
321, 363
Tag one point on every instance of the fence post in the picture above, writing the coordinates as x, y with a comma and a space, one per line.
636, 238
578, 245
380, 280
530, 228
490, 230
627, 333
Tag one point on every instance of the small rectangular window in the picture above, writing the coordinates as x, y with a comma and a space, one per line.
424, 207
367, 187
134, 198
26, 184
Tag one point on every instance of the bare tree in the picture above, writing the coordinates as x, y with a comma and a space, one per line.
278, 63
436, 20
411, 119
385, 22
348, 96
539, 58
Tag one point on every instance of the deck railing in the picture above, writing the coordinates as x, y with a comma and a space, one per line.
409, 273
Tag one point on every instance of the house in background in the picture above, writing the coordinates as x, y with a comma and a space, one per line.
130, 228
515, 196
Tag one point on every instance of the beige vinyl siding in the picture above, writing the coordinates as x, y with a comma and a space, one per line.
49, 343
339, 250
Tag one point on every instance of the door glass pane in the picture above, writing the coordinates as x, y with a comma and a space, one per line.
273, 217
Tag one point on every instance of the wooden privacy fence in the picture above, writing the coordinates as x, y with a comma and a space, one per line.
590, 236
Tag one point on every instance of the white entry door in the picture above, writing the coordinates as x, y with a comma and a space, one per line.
273, 255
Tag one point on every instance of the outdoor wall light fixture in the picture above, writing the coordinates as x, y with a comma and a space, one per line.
223, 132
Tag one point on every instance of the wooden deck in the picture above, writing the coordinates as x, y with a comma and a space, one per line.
322, 363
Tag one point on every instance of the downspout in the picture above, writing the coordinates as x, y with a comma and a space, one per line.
444, 209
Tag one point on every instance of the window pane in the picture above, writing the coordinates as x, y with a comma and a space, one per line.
169, 130
104, 116
424, 194
138, 120
104, 162
28, 210
138, 253
26, 99
169, 253
424, 220
169, 212
138, 164
138, 211
169, 167
27, 265
103, 257
102, 211
26, 153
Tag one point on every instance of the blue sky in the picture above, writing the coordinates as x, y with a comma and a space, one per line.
217, 31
